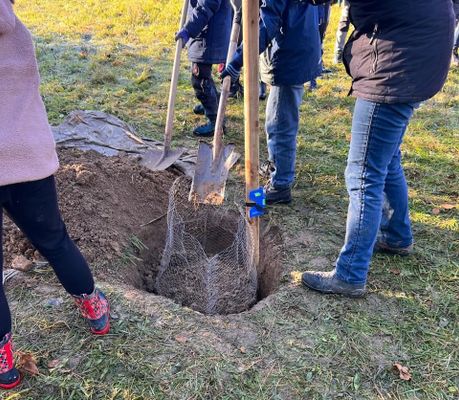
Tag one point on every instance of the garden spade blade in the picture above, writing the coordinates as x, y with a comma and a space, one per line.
214, 162
156, 159
210, 176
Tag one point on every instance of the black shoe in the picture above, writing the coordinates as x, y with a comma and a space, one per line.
262, 91
327, 282
206, 130
455, 58
383, 247
198, 109
338, 59
278, 196
313, 85
236, 90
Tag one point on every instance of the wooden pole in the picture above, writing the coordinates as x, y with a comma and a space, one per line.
250, 18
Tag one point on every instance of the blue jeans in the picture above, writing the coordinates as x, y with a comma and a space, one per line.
378, 193
282, 122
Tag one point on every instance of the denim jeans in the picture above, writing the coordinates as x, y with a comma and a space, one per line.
378, 193
33, 208
282, 122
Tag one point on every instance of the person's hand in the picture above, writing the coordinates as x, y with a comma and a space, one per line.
183, 35
232, 71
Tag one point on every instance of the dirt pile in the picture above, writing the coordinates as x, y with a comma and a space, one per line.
104, 201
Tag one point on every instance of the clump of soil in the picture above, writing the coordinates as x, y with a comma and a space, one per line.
103, 200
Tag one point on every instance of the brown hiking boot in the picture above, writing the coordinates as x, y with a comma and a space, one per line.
328, 283
382, 247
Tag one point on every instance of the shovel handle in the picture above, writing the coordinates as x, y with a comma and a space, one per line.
226, 87
174, 82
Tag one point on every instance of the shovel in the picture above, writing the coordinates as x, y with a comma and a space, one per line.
214, 162
158, 160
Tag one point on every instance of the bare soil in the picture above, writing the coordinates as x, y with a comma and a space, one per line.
104, 201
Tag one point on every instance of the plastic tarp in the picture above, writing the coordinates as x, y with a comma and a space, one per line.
108, 135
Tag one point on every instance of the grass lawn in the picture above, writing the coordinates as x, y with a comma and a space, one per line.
116, 56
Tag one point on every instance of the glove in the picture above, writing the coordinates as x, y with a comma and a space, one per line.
183, 35
231, 70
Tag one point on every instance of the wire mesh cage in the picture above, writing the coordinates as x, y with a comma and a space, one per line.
208, 260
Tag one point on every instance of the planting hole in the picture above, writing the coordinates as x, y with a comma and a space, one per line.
202, 257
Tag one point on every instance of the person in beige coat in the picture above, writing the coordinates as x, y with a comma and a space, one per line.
28, 161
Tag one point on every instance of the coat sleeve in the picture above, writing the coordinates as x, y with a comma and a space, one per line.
271, 20
200, 16
7, 17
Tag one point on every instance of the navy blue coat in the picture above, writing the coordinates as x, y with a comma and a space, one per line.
400, 50
289, 41
209, 26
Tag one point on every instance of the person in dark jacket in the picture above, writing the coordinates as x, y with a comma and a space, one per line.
207, 32
290, 43
398, 56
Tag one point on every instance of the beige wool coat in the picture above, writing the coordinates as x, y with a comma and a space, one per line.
27, 148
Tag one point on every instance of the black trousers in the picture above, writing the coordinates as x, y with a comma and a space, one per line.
204, 88
33, 208
323, 24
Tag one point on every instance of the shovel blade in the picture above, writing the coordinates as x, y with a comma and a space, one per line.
209, 181
159, 160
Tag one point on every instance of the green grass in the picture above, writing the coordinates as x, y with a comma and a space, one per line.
115, 56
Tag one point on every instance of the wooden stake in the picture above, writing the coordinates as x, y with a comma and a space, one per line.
250, 18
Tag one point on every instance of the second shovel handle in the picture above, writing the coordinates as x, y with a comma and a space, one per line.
174, 82
226, 87
218, 135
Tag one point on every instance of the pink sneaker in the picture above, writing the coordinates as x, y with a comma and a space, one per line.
95, 308
9, 376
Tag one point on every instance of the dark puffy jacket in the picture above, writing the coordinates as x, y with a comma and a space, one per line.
289, 32
400, 50
209, 25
